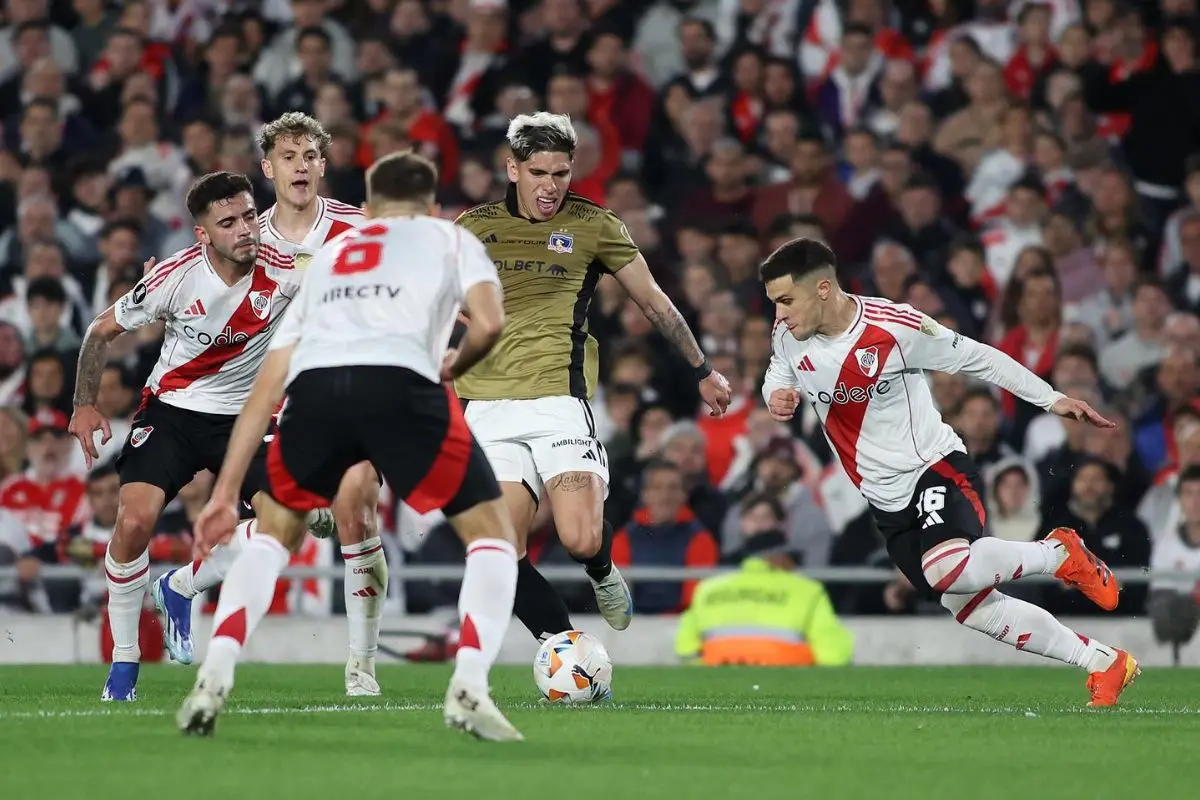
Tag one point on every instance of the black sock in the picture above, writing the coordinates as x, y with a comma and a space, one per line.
537, 605
599, 566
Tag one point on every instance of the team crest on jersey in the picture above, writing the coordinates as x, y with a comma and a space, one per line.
561, 242
868, 360
260, 303
302, 260
140, 435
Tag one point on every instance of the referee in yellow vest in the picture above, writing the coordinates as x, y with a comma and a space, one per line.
765, 614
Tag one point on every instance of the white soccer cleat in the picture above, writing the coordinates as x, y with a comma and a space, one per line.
474, 712
360, 683
320, 523
614, 600
198, 715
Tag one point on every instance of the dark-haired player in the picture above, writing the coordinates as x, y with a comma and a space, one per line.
528, 400
363, 357
219, 299
860, 362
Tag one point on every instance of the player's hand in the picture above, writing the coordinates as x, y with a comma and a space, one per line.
783, 404
715, 392
215, 525
148, 265
1077, 409
84, 423
447, 373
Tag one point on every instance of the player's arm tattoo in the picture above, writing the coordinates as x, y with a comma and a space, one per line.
93, 357
674, 328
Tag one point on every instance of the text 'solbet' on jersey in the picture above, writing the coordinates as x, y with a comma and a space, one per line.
549, 271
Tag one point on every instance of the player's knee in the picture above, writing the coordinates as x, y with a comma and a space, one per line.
137, 516
279, 522
941, 565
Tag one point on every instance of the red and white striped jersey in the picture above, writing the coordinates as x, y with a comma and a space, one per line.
217, 335
333, 219
868, 387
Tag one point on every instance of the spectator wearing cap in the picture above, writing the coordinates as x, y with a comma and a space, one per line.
48, 498
1109, 529
664, 533
777, 473
765, 613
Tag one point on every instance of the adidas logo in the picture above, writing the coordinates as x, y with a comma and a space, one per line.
805, 365
366, 591
196, 309
491, 238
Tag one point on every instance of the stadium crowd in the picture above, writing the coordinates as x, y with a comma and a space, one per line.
1026, 172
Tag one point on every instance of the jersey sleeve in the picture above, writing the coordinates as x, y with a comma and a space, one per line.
780, 374
474, 265
934, 347
150, 300
615, 249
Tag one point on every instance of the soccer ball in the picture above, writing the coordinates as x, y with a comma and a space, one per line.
573, 667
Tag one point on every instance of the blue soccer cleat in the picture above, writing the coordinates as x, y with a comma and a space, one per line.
121, 686
176, 611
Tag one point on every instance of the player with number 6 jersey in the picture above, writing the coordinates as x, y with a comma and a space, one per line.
364, 359
861, 362
299, 224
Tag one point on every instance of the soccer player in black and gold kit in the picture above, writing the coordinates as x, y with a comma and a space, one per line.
527, 402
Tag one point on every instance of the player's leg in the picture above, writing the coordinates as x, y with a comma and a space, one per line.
246, 595
437, 464
538, 606
366, 585
947, 536
574, 466
155, 463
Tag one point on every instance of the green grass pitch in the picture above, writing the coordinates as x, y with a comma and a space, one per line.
925, 733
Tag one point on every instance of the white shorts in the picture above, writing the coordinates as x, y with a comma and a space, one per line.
532, 441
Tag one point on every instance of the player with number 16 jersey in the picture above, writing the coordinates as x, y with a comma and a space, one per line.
861, 363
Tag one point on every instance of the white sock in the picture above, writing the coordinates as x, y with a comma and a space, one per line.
961, 569
203, 575
366, 589
1028, 627
127, 584
485, 605
245, 598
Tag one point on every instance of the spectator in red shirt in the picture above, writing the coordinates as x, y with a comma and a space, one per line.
47, 498
618, 94
428, 132
1033, 342
1035, 56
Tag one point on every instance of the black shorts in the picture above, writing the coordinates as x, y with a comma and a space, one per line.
168, 445
947, 504
410, 429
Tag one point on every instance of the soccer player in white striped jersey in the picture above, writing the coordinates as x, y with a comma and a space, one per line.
861, 362
299, 224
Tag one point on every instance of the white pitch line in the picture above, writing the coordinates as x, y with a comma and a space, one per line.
844, 708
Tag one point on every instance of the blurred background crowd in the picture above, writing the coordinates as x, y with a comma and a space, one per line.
1027, 172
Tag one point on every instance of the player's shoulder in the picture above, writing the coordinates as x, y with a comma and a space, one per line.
586, 210
344, 212
172, 269
479, 217
272, 257
892, 316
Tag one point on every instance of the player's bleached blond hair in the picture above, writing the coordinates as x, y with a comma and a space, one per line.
296, 125
542, 132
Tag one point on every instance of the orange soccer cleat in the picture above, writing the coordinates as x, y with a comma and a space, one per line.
1083, 571
1106, 686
